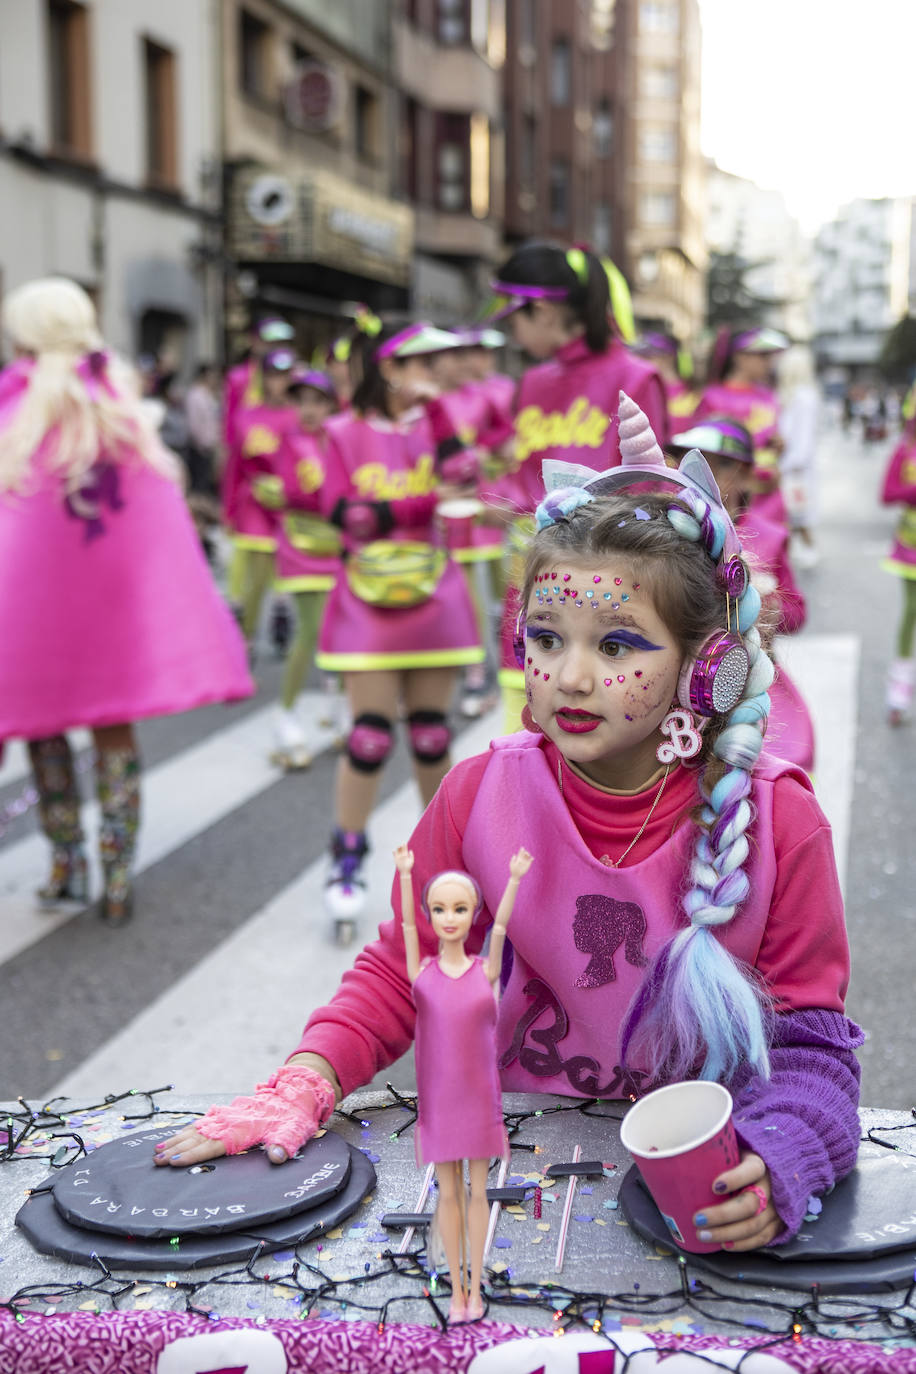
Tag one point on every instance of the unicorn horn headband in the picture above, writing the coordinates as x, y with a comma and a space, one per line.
568, 485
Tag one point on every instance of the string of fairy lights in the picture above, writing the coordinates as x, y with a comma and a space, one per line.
767, 1319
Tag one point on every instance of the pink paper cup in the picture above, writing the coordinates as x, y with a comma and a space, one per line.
458, 516
682, 1138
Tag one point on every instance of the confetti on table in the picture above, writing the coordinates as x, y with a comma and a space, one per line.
543, 1225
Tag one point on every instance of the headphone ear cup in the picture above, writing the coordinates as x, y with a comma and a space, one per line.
713, 683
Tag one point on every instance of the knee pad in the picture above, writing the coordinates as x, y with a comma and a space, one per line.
369, 742
429, 734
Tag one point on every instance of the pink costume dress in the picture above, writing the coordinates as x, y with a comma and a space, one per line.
115, 615
567, 408
682, 402
757, 408
900, 487
259, 434
304, 563
371, 459
459, 1100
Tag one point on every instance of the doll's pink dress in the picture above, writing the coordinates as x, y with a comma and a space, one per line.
458, 1091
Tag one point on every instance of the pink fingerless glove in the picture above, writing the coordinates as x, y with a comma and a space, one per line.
287, 1110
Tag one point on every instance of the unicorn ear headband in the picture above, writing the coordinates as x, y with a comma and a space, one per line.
713, 682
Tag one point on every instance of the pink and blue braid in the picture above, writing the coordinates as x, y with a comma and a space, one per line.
696, 1007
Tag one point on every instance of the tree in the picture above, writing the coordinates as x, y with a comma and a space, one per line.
730, 300
897, 359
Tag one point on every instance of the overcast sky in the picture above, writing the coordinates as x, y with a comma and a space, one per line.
816, 98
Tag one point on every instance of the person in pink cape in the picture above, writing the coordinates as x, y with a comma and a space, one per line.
689, 922
728, 448
459, 1101
899, 489
399, 622
308, 546
557, 305
115, 616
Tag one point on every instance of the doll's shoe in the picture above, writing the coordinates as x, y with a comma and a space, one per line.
457, 1311
68, 880
473, 1310
345, 889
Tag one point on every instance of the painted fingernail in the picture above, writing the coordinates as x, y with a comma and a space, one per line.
719, 1186
700, 1219
704, 1236
727, 1244
173, 1157
161, 1145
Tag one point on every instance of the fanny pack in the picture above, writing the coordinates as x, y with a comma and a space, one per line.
392, 575
310, 534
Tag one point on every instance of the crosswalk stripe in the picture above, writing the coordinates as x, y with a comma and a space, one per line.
182, 797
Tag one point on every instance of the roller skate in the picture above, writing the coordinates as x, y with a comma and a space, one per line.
291, 752
899, 691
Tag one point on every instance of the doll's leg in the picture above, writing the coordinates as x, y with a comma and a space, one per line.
451, 1228
478, 1219
428, 695
902, 672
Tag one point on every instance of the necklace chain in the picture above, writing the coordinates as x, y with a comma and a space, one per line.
658, 796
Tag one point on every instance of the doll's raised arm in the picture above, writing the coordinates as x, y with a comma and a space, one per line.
518, 867
403, 859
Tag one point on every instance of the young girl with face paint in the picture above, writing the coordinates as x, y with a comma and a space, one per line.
688, 919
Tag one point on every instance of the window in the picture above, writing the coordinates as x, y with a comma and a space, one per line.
659, 83
527, 24
559, 193
161, 115
601, 229
480, 165
603, 129
658, 208
453, 21
560, 72
68, 61
658, 145
659, 16
365, 110
452, 162
253, 40
527, 150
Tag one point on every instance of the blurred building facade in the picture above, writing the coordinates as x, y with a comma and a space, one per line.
754, 224
603, 129
862, 274
109, 154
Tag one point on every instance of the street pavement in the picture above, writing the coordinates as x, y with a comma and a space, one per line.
209, 986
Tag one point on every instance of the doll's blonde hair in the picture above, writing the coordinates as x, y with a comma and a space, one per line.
54, 320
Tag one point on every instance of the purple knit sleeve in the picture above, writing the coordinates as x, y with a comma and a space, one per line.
803, 1121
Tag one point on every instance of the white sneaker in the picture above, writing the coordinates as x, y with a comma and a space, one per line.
291, 752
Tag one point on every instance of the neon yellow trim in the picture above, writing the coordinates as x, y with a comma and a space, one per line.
511, 679
907, 570
479, 553
430, 658
305, 582
261, 543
